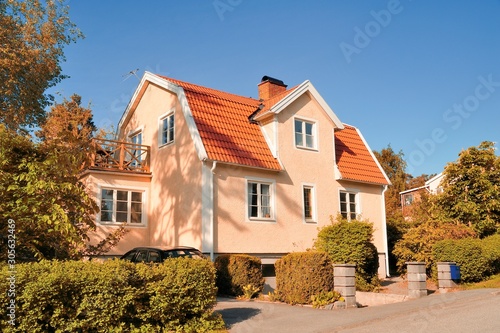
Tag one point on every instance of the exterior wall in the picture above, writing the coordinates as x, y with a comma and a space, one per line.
174, 211
137, 235
289, 231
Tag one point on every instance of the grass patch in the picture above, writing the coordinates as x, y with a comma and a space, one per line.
492, 282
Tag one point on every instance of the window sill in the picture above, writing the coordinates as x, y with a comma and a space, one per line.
117, 224
261, 220
307, 148
166, 144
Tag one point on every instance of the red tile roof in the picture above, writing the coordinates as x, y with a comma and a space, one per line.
227, 134
354, 160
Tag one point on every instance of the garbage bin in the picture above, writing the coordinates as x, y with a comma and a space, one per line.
455, 273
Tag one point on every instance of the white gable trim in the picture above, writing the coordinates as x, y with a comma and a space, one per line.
149, 77
304, 87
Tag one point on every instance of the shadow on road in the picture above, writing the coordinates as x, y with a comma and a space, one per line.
233, 316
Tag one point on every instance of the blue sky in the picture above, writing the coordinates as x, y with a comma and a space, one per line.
422, 76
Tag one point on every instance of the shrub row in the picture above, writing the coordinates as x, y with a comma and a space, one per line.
117, 296
477, 258
236, 272
300, 275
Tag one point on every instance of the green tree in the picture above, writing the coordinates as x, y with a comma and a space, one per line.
41, 191
32, 37
471, 189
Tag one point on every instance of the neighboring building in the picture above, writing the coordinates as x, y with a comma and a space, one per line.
231, 174
411, 196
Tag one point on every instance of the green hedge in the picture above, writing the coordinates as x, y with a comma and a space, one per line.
469, 254
114, 296
300, 275
491, 247
351, 243
237, 271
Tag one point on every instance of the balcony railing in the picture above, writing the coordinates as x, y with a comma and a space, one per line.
113, 155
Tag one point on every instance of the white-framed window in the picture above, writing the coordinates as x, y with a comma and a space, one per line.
309, 203
136, 138
349, 205
166, 131
122, 206
305, 134
260, 199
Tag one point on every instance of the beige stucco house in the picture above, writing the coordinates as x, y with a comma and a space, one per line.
230, 174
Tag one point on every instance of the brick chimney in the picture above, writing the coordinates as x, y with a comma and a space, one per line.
270, 87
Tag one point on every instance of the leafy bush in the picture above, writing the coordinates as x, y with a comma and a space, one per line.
236, 271
325, 298
417, 243
350, 243
468, 254
491, 247
117, 296
301, 275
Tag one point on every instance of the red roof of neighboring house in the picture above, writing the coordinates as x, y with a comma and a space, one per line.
354, 159
226, 132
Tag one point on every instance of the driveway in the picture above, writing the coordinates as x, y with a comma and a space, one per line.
461, 311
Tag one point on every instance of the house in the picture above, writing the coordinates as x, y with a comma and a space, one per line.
411, 196
231, 174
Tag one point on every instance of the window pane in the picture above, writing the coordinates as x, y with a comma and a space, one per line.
352, 197
121, 217
298, 139
298, 126
121, 206
264, 188
343, 207
352, 208
353, 216
309, 141
342, 197
309, 129
137, 196
135, 217
122, 195
107, 194
106, 216
307, 202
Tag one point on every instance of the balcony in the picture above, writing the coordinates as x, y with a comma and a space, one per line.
110, 155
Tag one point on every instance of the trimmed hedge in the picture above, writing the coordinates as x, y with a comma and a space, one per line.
468, 253
351, 243
117, 296
236, 271
478, 258
491, 247
300, 275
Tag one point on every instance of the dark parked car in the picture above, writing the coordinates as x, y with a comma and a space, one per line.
157, 255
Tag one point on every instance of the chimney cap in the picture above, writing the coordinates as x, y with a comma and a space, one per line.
272, 80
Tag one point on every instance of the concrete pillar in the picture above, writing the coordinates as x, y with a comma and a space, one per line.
344, 282
417, 279
447, 275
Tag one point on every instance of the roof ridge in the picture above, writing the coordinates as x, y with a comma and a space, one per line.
209, 91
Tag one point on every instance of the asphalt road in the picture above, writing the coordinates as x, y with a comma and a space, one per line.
461, 311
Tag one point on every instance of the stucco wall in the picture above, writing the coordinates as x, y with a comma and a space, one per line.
288, 231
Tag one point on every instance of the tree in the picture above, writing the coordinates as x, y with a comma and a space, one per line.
394, 167
471, 189
32, 36
41, 191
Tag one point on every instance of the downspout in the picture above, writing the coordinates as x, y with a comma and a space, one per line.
386, 245
212, 171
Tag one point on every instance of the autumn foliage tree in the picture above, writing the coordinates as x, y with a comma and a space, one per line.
41, 190
32, 37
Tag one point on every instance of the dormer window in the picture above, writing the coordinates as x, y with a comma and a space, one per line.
305, 134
